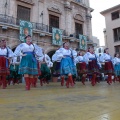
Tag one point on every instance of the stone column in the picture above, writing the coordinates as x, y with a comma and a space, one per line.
89, 25
68, 18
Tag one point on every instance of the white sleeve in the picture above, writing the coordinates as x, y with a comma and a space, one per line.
76, 60
41, 58
10, 53
47, 58
74, 53
59, 54
114, 61
18, 50
50, 64
54, 58
38, 50
86, 58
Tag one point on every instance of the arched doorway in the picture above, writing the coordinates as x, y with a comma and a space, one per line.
13, 49
50, 54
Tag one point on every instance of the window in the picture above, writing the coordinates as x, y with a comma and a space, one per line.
53, 22
21, 10
115, 15
78, 29
116, 33
117, 49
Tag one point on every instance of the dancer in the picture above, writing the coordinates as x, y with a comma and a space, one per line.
67, 67
116, 63
81, 67
106, 59
46, 64
14, 77
5, 55
28, 65
93, 64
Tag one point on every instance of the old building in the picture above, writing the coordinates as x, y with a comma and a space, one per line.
72, 16
112, 31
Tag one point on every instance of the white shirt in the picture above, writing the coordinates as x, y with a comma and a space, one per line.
65, 52
79, 59
4, 52
24, 47
89, 56
47, 60
105, 57
116, 61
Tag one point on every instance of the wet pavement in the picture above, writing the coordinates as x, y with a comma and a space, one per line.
54, 102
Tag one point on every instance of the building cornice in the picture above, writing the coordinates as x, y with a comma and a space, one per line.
27, 1
110, 9
82, 5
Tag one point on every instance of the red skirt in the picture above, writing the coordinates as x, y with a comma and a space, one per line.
93, 67
4, 66
81, 68
108, 67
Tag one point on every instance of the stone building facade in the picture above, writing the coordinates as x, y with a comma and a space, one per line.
72, 16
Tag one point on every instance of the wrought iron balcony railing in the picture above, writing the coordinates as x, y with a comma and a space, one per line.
38, 26
8, 19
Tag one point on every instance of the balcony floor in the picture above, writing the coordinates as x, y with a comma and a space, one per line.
53, 102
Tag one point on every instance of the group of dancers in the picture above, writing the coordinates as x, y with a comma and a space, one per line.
30, 61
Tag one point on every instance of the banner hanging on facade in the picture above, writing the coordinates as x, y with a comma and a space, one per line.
26, 28
83, 42
57, 36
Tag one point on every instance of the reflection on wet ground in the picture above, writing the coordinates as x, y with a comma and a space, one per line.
53, 102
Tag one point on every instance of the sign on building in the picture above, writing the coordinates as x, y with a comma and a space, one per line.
83, 42
26, 28
57, 36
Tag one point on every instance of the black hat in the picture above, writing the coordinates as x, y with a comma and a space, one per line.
27, 36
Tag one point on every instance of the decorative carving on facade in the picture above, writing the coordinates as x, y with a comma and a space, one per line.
54, 8
67, 5
78, 17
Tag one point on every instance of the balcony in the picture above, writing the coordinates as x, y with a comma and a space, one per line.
75, 35
9, 20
